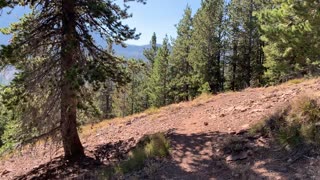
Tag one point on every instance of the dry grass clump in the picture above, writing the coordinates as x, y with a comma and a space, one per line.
152, 110
201, 99
295, 81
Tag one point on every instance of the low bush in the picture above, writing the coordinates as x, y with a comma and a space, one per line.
295, 125
150, 147
152, 110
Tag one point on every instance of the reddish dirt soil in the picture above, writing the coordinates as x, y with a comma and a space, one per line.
199, 132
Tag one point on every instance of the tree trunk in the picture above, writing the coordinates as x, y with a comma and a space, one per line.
223, 70
107, 98
107, 104
132, 94
234, 65
71, 142
249, 68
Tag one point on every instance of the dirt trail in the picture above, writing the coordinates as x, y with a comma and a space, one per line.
198, 132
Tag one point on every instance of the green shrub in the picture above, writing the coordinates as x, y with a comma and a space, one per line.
158, 146
152, 146
289, 135
295, 125
270, 124
149, 147
134, 162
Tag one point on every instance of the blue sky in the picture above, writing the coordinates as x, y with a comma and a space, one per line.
157, 16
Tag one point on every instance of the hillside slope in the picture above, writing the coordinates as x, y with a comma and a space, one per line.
199, 132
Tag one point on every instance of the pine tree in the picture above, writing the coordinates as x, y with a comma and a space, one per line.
159, 80
151, 53
138, 71
207, 44
129, 99
107, 90
181, 86
290, 30
55, 53
246, 56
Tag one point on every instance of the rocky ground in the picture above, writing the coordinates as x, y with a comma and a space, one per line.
206, 135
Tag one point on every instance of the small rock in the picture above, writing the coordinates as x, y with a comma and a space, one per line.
269, 106
236, 175
250, 153
222, 115
262, 140
128, 123
134, 119
245, 126
242, 131
206, 123
283, 169
257, 110
5, 172
241, 156
288, 148
243, 109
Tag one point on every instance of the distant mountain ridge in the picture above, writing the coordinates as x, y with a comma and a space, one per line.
131, 51
128, 52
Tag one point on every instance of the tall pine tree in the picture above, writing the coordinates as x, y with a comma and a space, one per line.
245, 47
55, 53
151, 53
207, 44
181, 86
160, 77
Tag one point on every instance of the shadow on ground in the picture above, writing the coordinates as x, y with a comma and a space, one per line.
58, 168
222, 156
196, 156
101, 158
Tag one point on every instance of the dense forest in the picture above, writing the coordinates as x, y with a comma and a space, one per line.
65, 80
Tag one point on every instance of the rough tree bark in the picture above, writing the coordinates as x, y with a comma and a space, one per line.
71, 142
